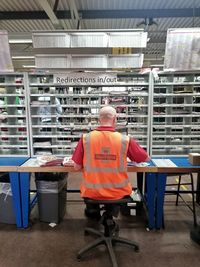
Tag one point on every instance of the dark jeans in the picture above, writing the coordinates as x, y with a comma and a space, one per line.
93, 210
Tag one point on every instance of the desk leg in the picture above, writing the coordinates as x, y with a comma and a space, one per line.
25, 197
140, 181
150, 188
198, 188
14, 181
161, 183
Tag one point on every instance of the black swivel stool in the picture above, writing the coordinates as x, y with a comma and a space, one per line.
110, 236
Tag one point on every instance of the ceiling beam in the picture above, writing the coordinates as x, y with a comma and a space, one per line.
73, 10
74, 13
48, 10
103, 14
140, 13
55, 5
50, 13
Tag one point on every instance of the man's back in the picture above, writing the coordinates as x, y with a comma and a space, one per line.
102, 154
105, 163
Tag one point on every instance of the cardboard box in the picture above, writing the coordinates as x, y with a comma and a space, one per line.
194, 158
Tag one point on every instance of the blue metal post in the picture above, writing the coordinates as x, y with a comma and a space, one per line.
150, 198
15, 186
25, 197
161, 183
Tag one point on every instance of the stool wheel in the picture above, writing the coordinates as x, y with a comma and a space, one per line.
86, 232
116, 231
137, 249
78, 257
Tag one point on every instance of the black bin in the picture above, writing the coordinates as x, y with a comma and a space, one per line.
51, 192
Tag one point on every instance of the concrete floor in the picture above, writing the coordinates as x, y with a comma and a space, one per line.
43, 246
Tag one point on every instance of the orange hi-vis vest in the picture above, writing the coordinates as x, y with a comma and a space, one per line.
105, 166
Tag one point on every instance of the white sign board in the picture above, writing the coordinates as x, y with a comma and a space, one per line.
83, 78
182, 50
5, 57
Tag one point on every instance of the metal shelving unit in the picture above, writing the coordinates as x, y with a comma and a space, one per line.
14, 138
60, 114
176, 114
40, 116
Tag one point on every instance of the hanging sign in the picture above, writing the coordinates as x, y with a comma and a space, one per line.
5, 57
85, 78
182, 52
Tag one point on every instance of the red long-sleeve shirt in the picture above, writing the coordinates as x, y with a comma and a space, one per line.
135, 152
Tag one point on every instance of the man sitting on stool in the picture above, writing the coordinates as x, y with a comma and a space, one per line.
102, 154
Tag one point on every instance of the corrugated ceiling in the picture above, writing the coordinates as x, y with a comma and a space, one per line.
156, 32
24, 5
19, 5
26, 25
135, 4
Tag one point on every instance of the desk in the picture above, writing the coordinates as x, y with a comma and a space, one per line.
183, 166
32, 166
10, 164
155, 185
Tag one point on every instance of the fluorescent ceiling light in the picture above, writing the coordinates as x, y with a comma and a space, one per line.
125, 32
88, 33
20, 41
153, 59
29, 66
157, 65
22, 57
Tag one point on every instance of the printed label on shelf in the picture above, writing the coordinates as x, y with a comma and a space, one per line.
122, 50
78, 78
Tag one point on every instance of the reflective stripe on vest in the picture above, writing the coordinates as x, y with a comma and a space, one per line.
89, 168
105, 185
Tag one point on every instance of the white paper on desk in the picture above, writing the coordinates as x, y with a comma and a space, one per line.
67, 161
141, 164
32, 162
164, 163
